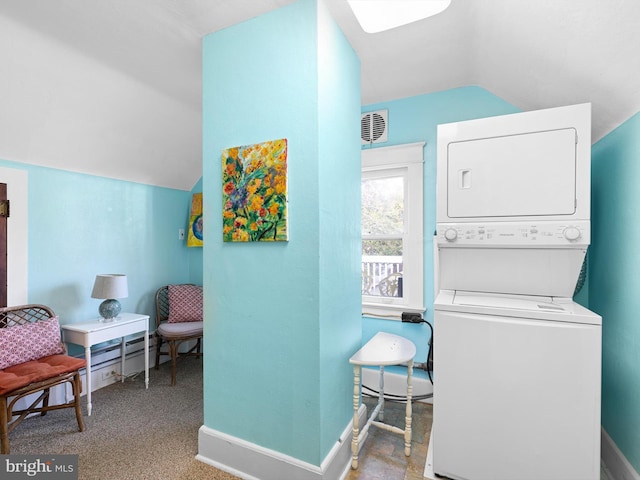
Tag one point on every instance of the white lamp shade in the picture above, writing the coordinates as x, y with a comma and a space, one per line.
113, 285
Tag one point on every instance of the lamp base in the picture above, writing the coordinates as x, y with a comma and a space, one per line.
109, 309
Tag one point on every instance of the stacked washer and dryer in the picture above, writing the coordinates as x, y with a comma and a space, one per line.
516, 360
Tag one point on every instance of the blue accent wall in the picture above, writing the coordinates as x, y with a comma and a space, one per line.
415, 119
614, 281
82, 225
282, 319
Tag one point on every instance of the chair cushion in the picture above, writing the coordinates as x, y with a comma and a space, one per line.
17, 376
21, 343
182, 329
185, 303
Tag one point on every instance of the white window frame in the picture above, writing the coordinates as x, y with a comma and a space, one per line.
409, 159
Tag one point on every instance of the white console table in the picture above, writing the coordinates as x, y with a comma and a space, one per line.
382, 350
97, 331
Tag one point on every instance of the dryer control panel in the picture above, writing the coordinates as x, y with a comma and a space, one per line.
514, 234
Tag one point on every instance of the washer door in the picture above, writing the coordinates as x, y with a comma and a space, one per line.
515, 399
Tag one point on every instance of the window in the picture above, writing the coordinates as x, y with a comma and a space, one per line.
392, 230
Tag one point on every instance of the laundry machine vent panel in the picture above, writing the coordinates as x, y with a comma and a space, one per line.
374, 127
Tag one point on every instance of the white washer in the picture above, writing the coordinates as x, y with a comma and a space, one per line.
517, 388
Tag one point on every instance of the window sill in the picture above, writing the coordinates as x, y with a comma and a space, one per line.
388, 312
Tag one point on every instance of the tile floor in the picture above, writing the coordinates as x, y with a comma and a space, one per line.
382, 456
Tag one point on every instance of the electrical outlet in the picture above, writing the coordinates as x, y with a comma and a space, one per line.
108, 374
181, 234
411, 317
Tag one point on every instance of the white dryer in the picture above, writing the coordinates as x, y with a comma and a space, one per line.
516, 361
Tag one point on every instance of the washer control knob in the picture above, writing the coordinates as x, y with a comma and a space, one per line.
572, 233
450, 234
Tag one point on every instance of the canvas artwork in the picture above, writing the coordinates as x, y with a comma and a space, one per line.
194, 236
254, 192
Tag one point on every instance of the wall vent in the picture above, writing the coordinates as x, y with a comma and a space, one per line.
374, 127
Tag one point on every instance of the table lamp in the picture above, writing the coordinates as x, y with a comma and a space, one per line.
110, 287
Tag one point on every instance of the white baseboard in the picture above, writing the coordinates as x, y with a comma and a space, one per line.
615, 464
253, 462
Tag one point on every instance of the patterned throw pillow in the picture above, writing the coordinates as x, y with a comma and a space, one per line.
185, 303
23, 343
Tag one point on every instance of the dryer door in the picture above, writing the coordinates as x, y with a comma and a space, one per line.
530, 174
528, 166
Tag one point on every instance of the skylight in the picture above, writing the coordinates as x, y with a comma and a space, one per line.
379, 15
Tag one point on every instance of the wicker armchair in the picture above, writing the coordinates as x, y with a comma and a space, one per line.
26, 332
178, 319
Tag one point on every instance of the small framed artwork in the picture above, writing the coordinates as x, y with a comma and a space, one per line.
254, 192
195, 235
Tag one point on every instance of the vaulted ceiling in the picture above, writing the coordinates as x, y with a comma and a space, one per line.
113, 87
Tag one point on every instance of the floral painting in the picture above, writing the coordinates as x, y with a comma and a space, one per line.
254, 192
